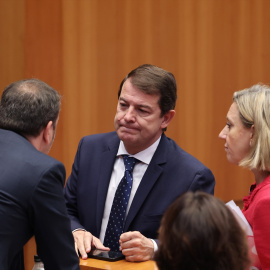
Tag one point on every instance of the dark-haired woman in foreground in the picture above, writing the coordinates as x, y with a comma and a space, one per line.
198, 232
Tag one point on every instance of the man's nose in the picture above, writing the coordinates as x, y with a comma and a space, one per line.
130, 114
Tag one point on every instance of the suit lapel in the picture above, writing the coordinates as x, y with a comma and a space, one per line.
148, 181
107, 159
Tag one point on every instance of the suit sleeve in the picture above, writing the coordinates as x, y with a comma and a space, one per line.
55, 243
204, 180
70, 193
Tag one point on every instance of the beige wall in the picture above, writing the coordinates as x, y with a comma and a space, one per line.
84, 48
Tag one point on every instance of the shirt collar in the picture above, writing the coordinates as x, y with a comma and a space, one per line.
145, 156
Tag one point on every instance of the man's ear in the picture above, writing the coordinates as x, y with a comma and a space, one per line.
48, 133
167, 118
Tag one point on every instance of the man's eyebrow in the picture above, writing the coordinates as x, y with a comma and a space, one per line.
122, 99
139, 105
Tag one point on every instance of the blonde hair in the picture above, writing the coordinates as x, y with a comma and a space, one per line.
254, 107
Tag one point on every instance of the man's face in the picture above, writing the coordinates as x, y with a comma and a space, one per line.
138, 120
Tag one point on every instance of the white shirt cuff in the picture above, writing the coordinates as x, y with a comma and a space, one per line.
155, 245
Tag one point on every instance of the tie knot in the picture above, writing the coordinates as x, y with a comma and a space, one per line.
129, 162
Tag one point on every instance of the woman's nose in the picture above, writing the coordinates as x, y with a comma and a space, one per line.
223, 134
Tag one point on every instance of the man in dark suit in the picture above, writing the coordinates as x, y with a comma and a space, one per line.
162, 171
31, 182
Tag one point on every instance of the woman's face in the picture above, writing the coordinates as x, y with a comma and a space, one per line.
237, 137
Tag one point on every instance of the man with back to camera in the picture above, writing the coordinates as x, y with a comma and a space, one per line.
161, 171
31, 182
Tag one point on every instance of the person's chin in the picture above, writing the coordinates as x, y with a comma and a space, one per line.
229, 158
232, 161
126, 137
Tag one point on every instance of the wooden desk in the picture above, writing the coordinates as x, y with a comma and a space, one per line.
93, 264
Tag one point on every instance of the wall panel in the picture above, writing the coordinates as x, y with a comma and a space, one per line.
84, 48
11, 41
43, 51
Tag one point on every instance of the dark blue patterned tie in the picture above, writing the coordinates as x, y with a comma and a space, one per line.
118, 212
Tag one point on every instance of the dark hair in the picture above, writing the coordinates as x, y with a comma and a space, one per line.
153, 80
27, 106
199, 232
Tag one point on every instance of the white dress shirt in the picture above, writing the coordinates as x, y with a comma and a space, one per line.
145, 157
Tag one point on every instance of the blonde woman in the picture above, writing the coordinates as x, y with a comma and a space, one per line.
247, 144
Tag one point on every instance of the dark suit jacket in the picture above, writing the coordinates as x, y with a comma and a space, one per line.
170, 173
32, 203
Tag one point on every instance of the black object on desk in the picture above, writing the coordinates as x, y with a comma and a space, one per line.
111, 256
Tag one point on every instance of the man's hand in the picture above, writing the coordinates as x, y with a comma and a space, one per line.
136, 247
84, 241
